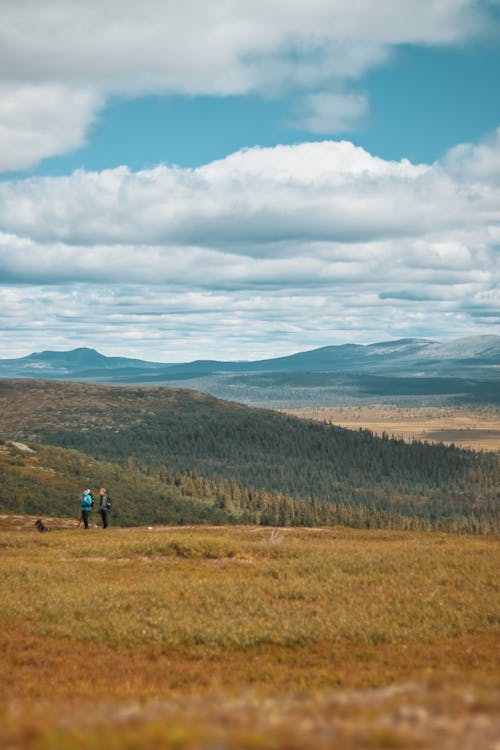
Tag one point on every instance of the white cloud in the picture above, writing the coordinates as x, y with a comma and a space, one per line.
251, 217
258, 203
301, 245
60, 59
306, 244
199, 47
476, 162
326, 112
42, 120
173, 325
249, 203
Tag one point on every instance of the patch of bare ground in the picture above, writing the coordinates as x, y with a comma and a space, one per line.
475, 428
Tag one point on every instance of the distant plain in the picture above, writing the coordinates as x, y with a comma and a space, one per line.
476, 428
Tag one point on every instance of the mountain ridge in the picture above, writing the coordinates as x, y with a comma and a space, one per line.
466, 368
332, 356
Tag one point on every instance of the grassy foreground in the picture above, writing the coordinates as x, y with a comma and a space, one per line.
247, 638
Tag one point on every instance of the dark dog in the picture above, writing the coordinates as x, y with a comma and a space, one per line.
41, 526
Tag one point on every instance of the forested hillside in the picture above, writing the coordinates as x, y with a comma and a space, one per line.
252, 465
48, 481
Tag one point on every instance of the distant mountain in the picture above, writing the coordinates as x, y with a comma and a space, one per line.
71, 364
409, 357
346, 373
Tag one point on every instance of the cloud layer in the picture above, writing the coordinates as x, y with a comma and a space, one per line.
61, 59
309, 244
267, 251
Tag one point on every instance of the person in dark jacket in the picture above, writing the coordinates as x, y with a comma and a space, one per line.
86, 503
104, 506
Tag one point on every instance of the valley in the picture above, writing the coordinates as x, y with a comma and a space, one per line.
269, 580
174, 455
412, 373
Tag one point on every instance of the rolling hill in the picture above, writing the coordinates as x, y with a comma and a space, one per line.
239, 464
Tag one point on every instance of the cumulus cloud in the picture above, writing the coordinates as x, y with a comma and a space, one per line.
200, 47
299, 245
177, 325
60, 59
251, 202
260, 203
42, 120
303, 244
326, 112
476, 162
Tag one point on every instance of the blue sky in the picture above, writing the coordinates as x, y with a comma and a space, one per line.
422, 102
247, 179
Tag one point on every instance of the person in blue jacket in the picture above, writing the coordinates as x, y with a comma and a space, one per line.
86, 503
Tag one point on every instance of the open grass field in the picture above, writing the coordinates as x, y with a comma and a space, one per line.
477, 428
212, 637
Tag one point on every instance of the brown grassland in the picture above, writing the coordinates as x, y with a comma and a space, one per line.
477, 428
242, 637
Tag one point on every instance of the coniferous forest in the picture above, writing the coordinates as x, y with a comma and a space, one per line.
180, 457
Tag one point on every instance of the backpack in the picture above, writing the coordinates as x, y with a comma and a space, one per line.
86, 501
108, 503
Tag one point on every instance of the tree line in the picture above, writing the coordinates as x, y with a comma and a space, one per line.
257, 466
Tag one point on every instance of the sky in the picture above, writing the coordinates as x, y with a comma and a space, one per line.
240, 179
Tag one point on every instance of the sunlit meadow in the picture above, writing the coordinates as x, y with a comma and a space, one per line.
173, 637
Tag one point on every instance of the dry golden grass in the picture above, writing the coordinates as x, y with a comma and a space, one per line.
194, 638
475, 428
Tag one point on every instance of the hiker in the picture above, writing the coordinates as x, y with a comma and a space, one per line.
86, 503
104, 506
